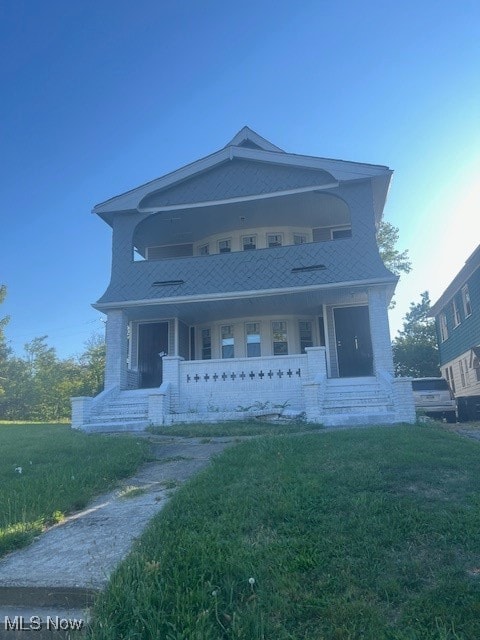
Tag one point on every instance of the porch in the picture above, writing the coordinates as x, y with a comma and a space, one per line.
294, 386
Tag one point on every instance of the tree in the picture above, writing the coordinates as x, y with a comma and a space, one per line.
415, 350
92, 362
397, 261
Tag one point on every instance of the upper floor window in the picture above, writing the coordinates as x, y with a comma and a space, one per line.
204, 250
228, 341
341, 233
300, 238
443, 326
456, 313
274, 240
249, 243
280, 344
306, 337
225, 246
252, 330
467, 305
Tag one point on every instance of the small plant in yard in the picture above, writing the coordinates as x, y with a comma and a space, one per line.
369, 533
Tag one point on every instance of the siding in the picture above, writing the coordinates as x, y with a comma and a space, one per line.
467, 333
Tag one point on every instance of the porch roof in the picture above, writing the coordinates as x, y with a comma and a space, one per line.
317, 265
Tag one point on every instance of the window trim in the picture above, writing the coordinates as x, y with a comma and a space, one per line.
278, 235
467, 303
250, 248
442, 321
229, 240
457, 319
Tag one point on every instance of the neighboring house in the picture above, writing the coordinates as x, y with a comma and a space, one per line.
248, 280
457, 318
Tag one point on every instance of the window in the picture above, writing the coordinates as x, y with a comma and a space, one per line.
306, 339
341, 233
452, 380
299, 238
443, 326
467, 305
206, 344
462, 373
252, 330
224, 246
467, 377
274, 240
280, 344
456, 314
228, 349
204, 250
249, 243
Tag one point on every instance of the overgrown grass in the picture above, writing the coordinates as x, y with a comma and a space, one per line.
49, 470
233, 428
370, 533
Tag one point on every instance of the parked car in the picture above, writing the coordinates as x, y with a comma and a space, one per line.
433, 397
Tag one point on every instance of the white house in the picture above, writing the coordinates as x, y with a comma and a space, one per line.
248, 279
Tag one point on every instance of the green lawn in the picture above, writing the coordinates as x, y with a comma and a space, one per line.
49, 470
234, 428
368, 533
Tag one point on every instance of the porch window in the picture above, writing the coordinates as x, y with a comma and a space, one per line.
274, 240
280, 344
249, 243
456, 314
206, 344
467, 305
306, 337
462, 373
443, 327
225, 246
228, 346
252, 330
204, 250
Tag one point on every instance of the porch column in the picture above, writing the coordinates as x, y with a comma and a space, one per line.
380, 332
116, 357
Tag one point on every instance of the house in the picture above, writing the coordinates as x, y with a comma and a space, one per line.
457, 319
248, 280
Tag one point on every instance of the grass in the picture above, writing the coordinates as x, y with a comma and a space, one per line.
49, 470
370, 533
233, 429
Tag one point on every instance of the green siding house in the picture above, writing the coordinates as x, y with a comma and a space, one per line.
457, 318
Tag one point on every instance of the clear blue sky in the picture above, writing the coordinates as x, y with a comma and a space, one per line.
99, 97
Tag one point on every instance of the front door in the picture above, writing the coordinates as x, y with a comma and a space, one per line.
152, 344
354, 343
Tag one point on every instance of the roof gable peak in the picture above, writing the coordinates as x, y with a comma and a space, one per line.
250, 139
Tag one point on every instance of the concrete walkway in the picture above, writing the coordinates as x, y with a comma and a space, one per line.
60, 573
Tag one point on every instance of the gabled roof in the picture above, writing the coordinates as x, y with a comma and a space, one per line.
249, 146
247, 137
471, 265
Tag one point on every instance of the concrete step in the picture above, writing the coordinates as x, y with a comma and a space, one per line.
115, 426
358, 419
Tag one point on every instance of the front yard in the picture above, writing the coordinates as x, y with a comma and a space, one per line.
48, 471
368, 533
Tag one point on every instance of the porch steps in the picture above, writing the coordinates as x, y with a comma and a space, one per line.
358, 401
128, 411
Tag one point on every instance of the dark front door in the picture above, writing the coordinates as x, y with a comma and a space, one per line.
152, 342
354, 343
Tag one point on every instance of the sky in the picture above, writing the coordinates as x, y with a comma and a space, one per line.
100, 97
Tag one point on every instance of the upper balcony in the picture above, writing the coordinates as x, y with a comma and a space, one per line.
242, 226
